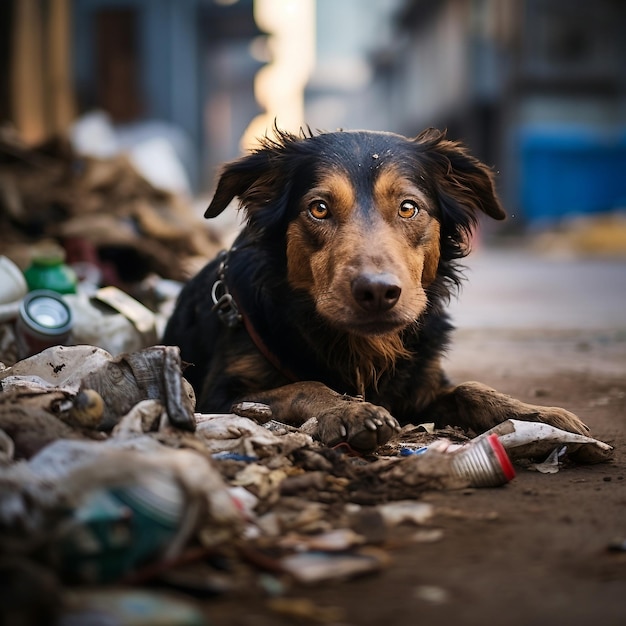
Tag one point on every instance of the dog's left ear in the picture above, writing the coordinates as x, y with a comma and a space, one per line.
465, 185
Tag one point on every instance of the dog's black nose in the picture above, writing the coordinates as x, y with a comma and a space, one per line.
376, 292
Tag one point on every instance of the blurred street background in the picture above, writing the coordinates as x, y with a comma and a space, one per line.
537, 88
115, 117
173, 88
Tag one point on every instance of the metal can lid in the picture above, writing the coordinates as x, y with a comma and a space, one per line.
502, 456
46, 312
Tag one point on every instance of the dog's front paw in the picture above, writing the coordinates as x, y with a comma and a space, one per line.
364, 426
561, 418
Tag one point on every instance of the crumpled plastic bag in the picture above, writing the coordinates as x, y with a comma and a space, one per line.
32, 419
241, 435
121, 381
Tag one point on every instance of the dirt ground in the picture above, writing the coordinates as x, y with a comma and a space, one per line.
544, 548
540, 550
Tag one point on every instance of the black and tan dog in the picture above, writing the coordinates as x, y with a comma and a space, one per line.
331, 303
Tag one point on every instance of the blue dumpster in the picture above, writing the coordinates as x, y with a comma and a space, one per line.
571, 171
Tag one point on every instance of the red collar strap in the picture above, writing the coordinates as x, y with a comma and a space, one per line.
231, 314
264, 350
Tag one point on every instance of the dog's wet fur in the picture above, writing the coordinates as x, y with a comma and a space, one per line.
341, 275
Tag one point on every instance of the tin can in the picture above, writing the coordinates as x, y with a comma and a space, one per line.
484, 462
44, 320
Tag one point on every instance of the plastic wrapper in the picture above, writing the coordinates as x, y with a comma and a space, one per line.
534, 440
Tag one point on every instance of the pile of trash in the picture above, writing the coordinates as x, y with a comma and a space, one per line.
107, 475
109, 218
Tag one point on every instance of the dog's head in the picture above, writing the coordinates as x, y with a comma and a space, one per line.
369, 223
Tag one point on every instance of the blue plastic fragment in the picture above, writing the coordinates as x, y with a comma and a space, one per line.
412, 451
224, 455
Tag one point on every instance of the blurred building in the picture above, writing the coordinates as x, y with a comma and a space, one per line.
179, 69
185, 62
537, 88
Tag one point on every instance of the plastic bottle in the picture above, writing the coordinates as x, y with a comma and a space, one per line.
49, 271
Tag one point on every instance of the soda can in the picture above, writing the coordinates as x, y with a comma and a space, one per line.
44, 320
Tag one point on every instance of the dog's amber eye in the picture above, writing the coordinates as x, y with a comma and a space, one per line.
319, 210
408, 209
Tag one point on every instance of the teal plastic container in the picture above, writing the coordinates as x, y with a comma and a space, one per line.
116, 531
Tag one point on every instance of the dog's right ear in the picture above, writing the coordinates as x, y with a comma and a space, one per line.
250, 178
260, 179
